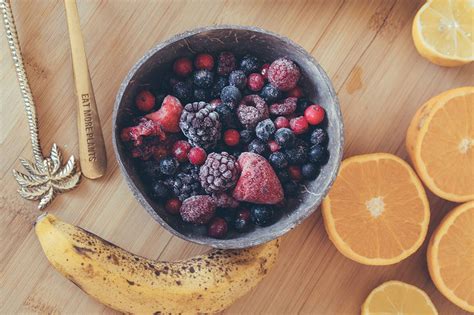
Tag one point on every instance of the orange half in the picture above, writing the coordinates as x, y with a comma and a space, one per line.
377, 212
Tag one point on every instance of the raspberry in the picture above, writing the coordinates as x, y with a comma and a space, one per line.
273, 146
295, 172
264, 70
173, 205
295, 92
204, 61
231, 137
197, 156
284, 74
287, 107
180, 150
183, 66
225, 63
252, 110
255, 82
282, 122
198, 209
217, 228
145, 101
314, 114
299, 125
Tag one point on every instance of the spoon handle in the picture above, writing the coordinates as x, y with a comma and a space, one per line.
91, 141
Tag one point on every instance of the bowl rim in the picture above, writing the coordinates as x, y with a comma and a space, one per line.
228, 243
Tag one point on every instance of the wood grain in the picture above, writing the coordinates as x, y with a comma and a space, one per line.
367, 50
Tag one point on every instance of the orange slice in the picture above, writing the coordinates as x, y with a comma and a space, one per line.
377, 212
440, 142
396, 297
451, 256
443, 32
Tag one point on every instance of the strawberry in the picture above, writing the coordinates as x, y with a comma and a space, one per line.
168, 115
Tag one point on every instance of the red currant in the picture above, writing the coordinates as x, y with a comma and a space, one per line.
217, 228
183, 66
299, 125
295, 92
282, 122
197, 156
173, 205
255, 82
145, 101
273, 146
180, 150
295, 172
204, 61
231, 137
314, 114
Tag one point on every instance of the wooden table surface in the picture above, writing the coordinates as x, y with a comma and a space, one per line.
365, 47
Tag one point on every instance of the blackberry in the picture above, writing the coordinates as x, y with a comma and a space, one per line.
262, 215
183, 91
203, 78
278, 160
270, 93
246, 136
200, 124
169, 165
259, 147
285, 138
220, 172
238, 79
159, 191
319, 136
297, 155
231, 94
309, 171
283, 175
290, 188
219, 84
227, 117
265, 129
302, 104
316, 153
186, 183
249, 64
225, 63
200, 95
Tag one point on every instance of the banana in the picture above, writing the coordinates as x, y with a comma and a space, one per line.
132, 284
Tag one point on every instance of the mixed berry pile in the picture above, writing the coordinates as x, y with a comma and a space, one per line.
225, 142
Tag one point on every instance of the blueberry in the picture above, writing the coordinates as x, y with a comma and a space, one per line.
285, 137
227, 214
261, 215
302, 104
290, 188
203, 78
227, 116
259, 147
265, 129
242, 220
309, 171
297, 155
169, 165
283, 175
246, 136
238, 78
249, 64
278, 160
219, 84
201, 95
150, 170
270, 93
319, 136
316, 153
159, 190
183, 91
231, 94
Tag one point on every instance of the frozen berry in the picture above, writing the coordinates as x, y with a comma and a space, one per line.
242, 220
297, 155
216, 102
169, 165
200, 95
238, 79
316, 153
288, 106
217, 228
278, 160
159, 190
273, 146
295, 172
282, 122
295, 92
262, 215
150, 170
319, 136
264, 70
231, 137
270, 93
249, 64
204, 61
168, 115
219, 84
309, 171
183, 66
203, 78
252, 110
290, 188
299, 125
231, 94
198, 209
227, 116
224, 199
265, 129
258, 146
284, 74
180, 150
302, 104
246, 136
285, 137
225, 63
283, 175
255, 82
227, 214
197, 156
173, 205
183, 91
314, 114
145, 101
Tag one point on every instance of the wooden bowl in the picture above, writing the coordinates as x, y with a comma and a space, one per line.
240, 40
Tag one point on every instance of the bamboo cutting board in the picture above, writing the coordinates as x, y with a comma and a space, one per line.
367, 50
